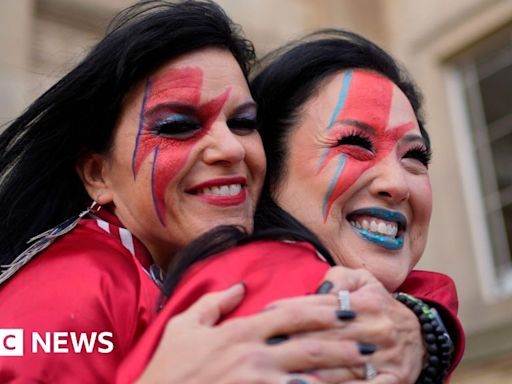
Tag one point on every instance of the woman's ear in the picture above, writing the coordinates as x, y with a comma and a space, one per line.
92, 169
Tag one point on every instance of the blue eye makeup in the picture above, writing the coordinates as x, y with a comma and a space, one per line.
176, 126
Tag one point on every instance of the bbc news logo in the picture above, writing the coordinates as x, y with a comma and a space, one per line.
12, 342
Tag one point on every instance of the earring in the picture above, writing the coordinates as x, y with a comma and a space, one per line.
43, 241
94, 207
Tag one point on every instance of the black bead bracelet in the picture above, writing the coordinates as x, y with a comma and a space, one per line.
438, 344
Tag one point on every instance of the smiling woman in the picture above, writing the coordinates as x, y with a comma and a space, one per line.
147, 143
358, 155
186, 155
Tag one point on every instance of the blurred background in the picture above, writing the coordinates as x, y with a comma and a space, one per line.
460, 54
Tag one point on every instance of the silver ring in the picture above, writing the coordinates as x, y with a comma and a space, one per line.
369, 371
344, 300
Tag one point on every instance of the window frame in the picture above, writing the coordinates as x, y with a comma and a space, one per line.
467, 113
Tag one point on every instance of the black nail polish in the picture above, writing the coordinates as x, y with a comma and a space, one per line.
345, 315
277, 339
366, 348
324, 288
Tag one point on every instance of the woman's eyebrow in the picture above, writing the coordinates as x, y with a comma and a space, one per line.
248, 106
357, 124
412, 138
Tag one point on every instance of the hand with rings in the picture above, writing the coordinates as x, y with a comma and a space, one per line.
387, 334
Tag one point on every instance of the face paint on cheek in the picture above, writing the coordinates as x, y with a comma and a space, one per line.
332, 184
171, 155
344, 177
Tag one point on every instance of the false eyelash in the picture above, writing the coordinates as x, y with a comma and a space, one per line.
356, 138
176, 126
420, 153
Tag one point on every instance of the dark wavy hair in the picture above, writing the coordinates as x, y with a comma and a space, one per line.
39, 186
292, 75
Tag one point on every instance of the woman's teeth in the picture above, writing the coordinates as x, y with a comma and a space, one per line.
225, 190
377, 226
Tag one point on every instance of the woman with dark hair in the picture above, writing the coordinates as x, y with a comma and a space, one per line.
156, 126
347, 182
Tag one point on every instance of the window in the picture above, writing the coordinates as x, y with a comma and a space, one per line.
484, 76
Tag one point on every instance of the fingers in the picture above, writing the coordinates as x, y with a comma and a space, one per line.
302, 379
348, 279
368, 321
290, 319
379, 379
212, 306
306, 301
340, 375
380, 320
303, 354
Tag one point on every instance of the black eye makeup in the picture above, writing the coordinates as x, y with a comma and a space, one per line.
243, 124
176, 126
419, 152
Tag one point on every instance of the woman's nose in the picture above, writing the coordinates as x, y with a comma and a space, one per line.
390, 182
225, 146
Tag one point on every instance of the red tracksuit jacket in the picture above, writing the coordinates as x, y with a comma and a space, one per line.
273, 270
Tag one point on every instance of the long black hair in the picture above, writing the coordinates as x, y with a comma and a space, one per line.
290, 76
39, 186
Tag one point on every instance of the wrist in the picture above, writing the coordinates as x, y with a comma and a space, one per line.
438, 345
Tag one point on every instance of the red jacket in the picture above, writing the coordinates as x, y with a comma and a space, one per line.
273, 270
93, 279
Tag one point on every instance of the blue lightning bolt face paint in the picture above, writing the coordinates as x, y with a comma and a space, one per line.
345, 84
351, 109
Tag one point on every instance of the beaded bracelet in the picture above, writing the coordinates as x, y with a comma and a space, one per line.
438, 343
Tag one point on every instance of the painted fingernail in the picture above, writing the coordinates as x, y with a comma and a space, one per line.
297, 381
345, 315
366, 348
277, 339
324, 288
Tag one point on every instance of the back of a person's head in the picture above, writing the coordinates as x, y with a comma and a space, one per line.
39, 186
291, 75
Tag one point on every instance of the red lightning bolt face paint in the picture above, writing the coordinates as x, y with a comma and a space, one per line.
166, 97
185, 156
357, 161
357, 90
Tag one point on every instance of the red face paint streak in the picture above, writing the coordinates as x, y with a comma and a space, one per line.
368, 101
180, 85
176, 86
